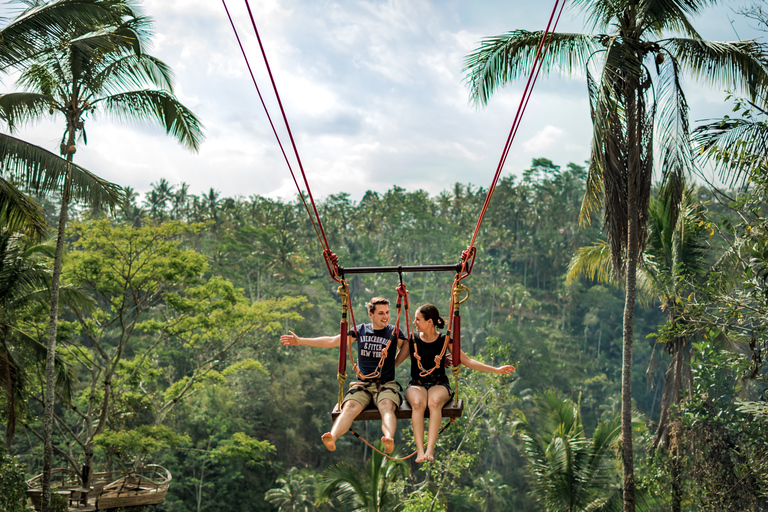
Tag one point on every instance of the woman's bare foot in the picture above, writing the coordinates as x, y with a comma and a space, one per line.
420, 457
329, 441
389, 444
429, 457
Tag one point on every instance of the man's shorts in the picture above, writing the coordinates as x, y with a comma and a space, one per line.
366, 392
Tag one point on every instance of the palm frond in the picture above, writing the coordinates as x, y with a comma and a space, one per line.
504, 58
676, 155
344, 481
160, 106
17, 108
664, 16
735, 65
19, 213
45, 80
43, 172
736, 147
30, 33
593, 262
134, 71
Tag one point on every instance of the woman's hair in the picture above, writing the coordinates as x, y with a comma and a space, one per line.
430, 312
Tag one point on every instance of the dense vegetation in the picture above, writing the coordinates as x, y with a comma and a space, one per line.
183, 297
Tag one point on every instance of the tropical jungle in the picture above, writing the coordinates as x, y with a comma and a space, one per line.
630, 293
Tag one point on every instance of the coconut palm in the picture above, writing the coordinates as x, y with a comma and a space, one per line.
363, 491
104, 69
37, 169
636, 98
567, 471
295, 494
674, 257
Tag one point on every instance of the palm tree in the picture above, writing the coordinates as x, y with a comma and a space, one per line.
368, 491
639, 75
83, 72
39, 170
674, 257
569, 472
295, 494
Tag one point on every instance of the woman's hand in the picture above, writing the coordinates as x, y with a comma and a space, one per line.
505, 370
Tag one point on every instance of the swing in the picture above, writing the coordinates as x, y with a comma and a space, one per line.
463, 269
454, 408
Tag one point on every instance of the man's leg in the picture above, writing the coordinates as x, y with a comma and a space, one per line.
388, 423
349, 411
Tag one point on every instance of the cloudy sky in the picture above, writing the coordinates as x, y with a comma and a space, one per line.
373, 91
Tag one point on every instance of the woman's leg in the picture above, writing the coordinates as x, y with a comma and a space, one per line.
417, 397
437, 397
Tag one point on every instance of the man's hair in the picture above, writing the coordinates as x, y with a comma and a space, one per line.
375, 302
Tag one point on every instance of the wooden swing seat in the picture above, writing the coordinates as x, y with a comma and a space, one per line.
450, 410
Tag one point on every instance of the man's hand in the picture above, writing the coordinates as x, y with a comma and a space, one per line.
289, 339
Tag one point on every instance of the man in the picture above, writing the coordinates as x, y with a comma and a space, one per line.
379, 384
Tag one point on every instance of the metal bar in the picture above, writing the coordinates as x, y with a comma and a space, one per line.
400, 268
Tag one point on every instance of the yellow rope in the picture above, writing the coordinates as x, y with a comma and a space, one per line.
456, 371
342, 378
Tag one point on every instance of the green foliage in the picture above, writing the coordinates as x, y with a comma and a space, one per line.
131, 447
13, 488
726, 445
296, 492
244, 448
423, 501
377, 489
567, 470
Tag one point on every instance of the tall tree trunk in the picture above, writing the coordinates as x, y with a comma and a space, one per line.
50, 359
626, 366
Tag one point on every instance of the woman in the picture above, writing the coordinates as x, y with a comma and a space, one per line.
429, 385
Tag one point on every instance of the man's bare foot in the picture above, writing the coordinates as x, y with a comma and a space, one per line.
329, 441
389, 444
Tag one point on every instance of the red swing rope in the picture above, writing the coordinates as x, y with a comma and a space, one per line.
546, 39
330, 259
269, 118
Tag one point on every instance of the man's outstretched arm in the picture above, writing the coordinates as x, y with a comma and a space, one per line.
320, 342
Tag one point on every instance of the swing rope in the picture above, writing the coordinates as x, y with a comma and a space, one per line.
546, 40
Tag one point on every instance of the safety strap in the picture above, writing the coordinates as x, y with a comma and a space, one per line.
346, 304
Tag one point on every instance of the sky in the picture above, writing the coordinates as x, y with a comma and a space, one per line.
373, 91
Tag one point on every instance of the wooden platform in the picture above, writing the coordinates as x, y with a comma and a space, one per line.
450, 410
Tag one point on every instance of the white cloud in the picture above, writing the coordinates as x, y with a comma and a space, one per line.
373, 90
543, 140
